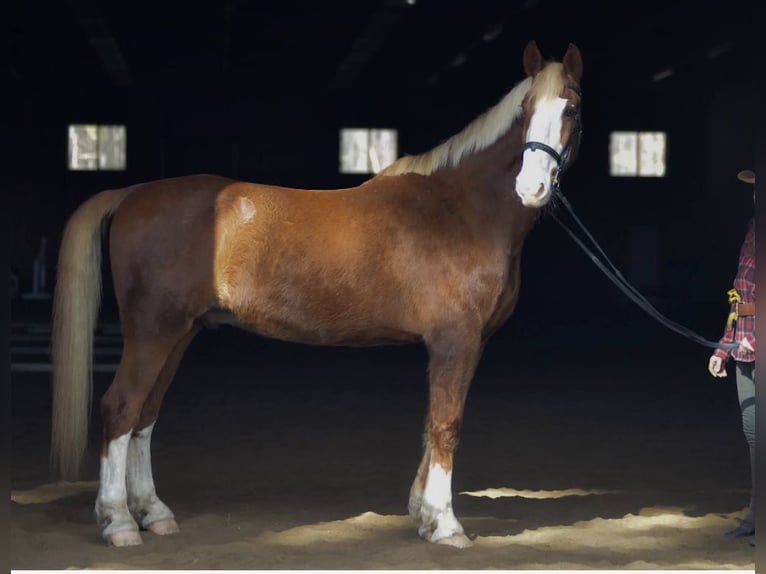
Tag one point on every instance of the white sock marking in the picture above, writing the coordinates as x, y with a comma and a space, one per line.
437, 503
111, 502
142, 497
139, 472
112, 488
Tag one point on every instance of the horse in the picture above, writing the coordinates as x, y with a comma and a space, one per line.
427, 251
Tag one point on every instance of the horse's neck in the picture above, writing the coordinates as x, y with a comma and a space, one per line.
490, 176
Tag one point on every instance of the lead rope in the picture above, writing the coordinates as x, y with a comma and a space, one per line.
616, 277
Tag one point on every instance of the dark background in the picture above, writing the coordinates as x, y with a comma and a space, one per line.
258, 90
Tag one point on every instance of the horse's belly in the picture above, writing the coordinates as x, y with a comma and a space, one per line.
316, 331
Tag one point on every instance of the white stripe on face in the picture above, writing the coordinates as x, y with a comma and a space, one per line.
533, 184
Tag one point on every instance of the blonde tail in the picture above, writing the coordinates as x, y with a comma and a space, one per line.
75, 311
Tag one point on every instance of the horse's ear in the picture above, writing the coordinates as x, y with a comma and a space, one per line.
573, 63
533, 59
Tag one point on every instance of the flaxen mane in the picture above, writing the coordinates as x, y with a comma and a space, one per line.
484, 130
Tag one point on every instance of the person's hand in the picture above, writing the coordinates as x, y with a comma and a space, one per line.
716, 366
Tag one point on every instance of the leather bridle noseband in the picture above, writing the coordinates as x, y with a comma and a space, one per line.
562, 160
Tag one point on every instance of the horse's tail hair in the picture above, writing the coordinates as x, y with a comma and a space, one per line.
76, 304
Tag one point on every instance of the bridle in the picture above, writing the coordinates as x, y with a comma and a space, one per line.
562, 160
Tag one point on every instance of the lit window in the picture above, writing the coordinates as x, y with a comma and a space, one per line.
364, 150
639, 154
94, 147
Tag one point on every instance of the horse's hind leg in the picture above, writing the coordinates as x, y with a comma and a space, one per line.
144, 504
453, 356
142, 362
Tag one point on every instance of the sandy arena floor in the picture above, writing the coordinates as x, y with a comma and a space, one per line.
276, 456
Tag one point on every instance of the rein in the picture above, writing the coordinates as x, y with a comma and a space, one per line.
633, 294
562, 161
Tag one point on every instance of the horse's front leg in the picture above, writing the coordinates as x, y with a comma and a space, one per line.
453, 356
419, 484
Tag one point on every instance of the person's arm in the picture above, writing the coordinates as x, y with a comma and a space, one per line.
728, 336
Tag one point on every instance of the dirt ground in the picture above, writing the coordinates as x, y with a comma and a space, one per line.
274, 456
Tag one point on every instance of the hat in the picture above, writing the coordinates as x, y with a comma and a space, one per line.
746, 175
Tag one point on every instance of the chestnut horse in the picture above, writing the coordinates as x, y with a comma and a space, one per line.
427, 251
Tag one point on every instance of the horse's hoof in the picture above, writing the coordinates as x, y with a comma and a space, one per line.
163, 527
124, 538
456, 540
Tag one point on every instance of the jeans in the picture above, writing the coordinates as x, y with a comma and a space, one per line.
746, 394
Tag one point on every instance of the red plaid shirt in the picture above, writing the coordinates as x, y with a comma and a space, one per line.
744, 283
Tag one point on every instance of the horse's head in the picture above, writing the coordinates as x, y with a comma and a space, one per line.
552, 125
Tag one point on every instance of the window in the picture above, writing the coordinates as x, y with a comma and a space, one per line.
639, 154
364, 150
94, 147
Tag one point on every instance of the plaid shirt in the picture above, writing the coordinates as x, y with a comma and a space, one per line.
744, 283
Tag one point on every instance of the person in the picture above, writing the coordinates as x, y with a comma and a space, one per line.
740, 330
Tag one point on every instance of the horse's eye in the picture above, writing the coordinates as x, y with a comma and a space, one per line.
570, 112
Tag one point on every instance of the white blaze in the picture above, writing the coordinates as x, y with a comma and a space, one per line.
534, 182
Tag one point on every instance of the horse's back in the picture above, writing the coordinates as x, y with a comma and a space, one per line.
193, 245
381, 262
376, 263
